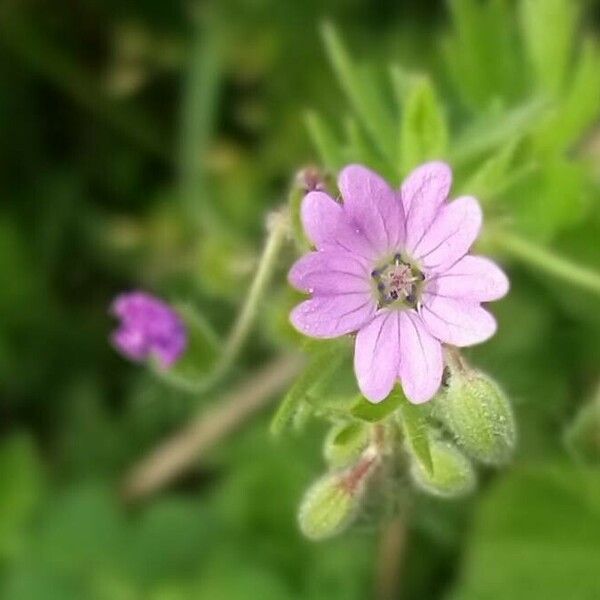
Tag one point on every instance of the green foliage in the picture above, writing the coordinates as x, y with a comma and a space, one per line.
582, 436
320, 371
424, 132
524, 519
19, 491
143, 148
549, 28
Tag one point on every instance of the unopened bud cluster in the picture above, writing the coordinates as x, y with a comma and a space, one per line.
435, 446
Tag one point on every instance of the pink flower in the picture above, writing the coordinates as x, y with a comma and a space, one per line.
393, 266
148, 327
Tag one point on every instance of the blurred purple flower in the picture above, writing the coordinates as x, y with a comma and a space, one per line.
393, 265
148, 327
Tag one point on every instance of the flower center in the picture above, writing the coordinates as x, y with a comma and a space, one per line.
398, 282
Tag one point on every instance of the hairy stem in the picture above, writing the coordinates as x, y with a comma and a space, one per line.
279, 229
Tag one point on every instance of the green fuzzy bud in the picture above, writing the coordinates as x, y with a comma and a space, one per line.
476, 411
452, 476
331, 503
344, 443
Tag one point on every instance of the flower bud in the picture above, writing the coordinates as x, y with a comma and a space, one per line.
452, 475
476, 411
344, 443
331, 503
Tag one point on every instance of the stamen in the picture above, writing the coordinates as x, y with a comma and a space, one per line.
397, 281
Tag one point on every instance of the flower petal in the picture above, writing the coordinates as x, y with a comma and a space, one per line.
452, 233
473, 278
332, 316
423, 192
327, 225
377, 355
457, 322
421, 363
372, 204
330, 272
320, 214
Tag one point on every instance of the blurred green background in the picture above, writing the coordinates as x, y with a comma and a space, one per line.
142, 145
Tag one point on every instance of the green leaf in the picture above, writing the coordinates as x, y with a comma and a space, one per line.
549, 33
361, 150
481, 53
322, 366
416, 432
325, 141
579, 108
20, 483
367, 411
553, 199
536, 533
496, 129
364, 98
498, 173
424, 131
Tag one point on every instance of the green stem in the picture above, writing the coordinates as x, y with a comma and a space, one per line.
278, 232
546, 260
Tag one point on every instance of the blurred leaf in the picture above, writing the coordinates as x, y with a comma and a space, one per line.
582, 435
537, 530
325, 141
20, 483
497, 173
481, 53
549, 34
554, 198
493, 130
580, 106
361, 150
424, 132
199, 110
364, 98
322, 367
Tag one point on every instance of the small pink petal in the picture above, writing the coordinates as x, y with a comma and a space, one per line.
330, 272
327, 225
452, 233
370, 202
376, 356
457, 322
473, 278
421, 363
332, 316
423, 192
320, 215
